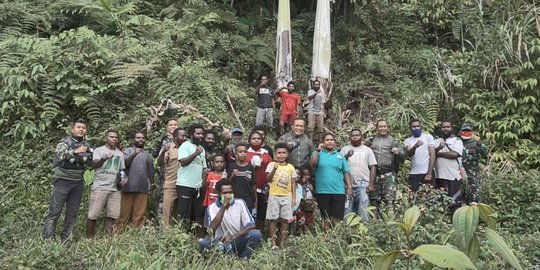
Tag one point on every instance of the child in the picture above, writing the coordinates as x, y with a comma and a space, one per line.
242, 174
293, 223
218, 163
281, 177
304, 217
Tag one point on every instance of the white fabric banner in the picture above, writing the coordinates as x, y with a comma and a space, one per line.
283, 45
322, 48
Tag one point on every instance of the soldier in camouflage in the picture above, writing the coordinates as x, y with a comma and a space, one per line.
72, 156
389, 154
473, 150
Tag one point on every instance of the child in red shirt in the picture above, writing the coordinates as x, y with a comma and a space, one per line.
213, 177
290, 106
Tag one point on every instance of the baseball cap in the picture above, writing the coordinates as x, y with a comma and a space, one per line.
234, 130
466, 126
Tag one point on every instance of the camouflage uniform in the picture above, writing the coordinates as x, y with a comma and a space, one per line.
472, 152
387, 167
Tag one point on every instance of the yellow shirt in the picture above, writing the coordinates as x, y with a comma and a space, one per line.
282, 181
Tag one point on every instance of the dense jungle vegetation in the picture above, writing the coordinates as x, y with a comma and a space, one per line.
108, 61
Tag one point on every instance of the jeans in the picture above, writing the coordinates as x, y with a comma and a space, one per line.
243, 246
359, 203
67, 192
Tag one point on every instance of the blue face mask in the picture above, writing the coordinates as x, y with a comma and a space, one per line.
417, 132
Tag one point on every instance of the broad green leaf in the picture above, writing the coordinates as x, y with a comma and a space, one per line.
89, 177
352, 219
405, 227
473, 251
464, 222
385, 261
487, 214
503, 248
411, 216
444, 256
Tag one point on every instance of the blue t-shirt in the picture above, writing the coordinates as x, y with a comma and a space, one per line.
329, 174
191, 175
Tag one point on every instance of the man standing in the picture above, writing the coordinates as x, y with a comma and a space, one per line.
72, 155
168, 159
448, 163
236, 137
134, 202
232, 224
420, 147
363, 167
315, 110
163, 140
265, 103
473, 150
300, 145
190, 177
108, 161
290, 106
389, 154
210, 146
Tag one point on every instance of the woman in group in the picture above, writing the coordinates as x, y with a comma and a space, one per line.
332, 181
259, 158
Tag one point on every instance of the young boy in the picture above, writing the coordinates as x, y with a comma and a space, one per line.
281, 177
242, 174
304, 218
218, 163
293, 223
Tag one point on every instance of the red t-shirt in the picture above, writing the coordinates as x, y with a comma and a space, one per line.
211, 193
289, 101
260, 174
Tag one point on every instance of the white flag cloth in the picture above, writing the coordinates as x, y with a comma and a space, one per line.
283, 45
322, 48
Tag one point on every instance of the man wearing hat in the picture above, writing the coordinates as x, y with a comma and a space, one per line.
236, 137
473, 150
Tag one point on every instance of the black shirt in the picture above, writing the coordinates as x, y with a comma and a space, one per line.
243, 183
265, 95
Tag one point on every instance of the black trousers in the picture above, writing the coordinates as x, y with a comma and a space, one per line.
65, 192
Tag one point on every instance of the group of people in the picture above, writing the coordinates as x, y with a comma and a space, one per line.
235, 193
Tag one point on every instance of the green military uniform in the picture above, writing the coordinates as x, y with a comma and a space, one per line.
472, 152
387, 168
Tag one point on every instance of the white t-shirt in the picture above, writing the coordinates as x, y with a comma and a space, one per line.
420, 159
359, 164
445, 168
235, 219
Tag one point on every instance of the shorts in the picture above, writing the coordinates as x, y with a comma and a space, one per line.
261, 206
104, 198
189, 203
315, 120
287, 117
331, 205
279, 207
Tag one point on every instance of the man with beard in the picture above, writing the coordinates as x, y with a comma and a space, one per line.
290, 106
363, 166
473, 151
140, 172
420, 147
168, 159
388, 153
108, 161
210, 146
190, 178
300, 145
315, 110
448, 164
72, 155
